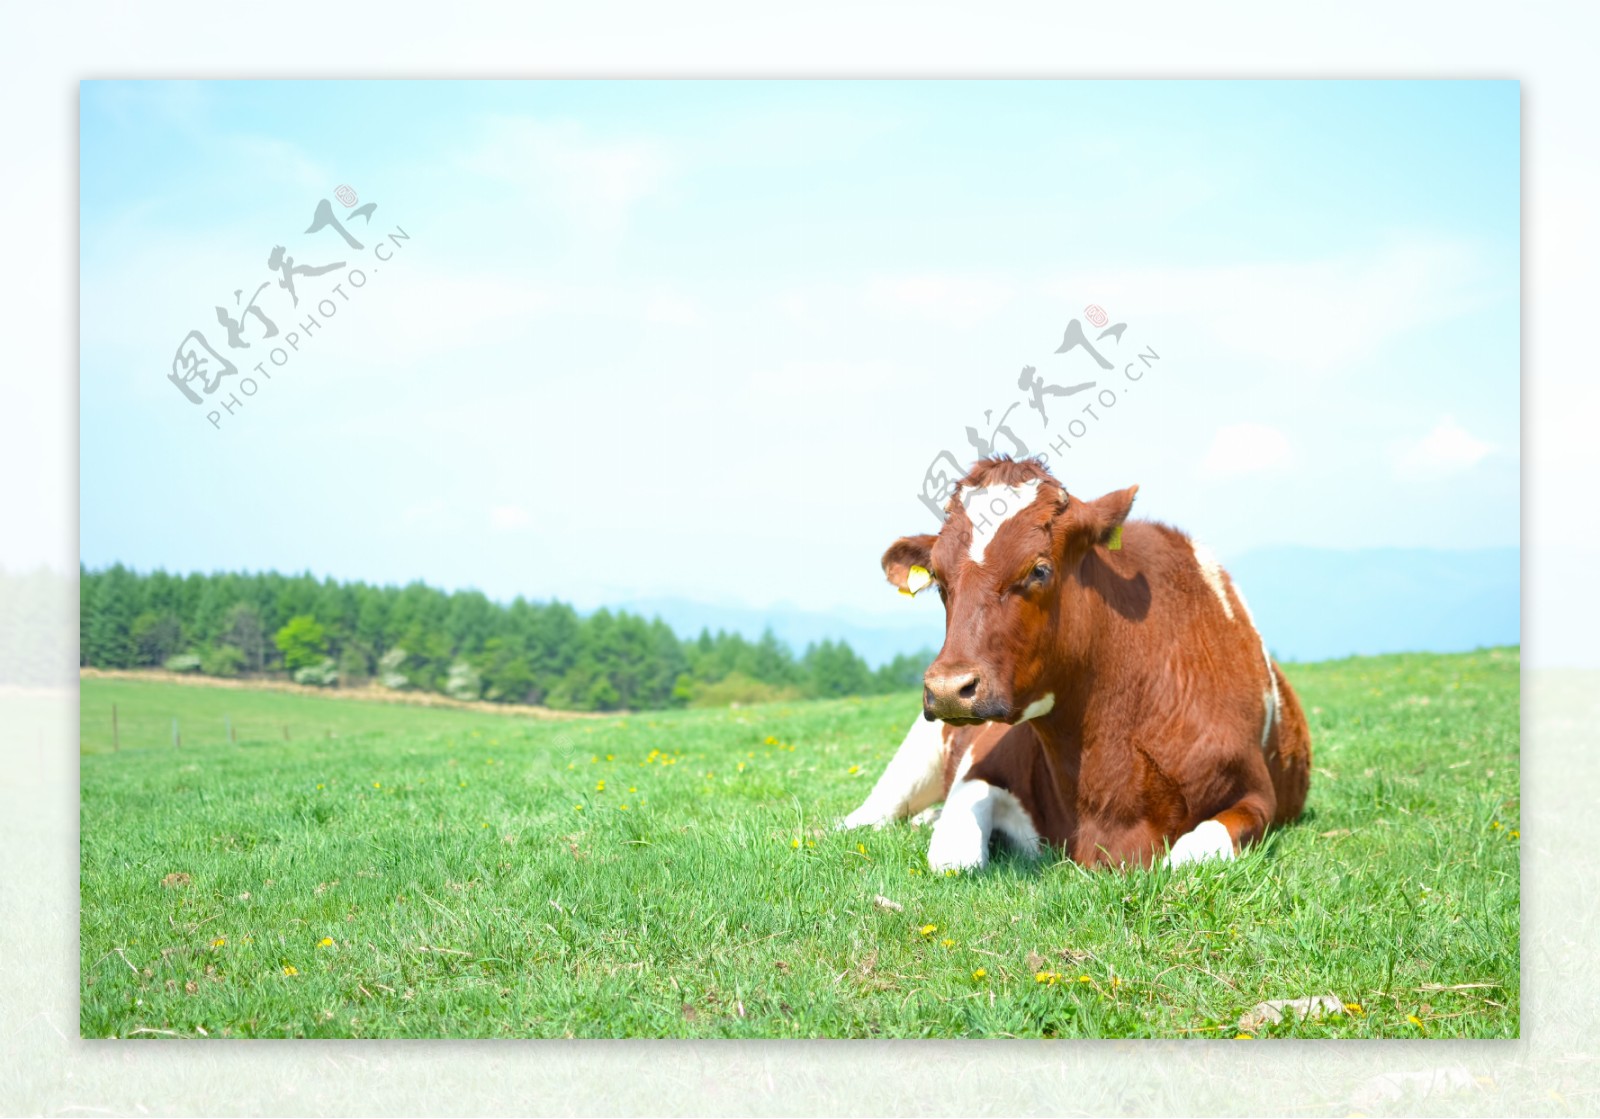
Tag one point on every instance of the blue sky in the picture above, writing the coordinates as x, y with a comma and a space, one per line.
703, 339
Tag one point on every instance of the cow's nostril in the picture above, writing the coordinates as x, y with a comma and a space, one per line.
969, 690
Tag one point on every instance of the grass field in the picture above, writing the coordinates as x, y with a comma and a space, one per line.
393, 871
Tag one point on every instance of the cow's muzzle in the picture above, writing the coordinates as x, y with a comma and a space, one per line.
960, 697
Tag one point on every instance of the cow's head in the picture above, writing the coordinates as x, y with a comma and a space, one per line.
1010, 546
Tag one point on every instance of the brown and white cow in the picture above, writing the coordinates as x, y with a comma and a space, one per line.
1102, 687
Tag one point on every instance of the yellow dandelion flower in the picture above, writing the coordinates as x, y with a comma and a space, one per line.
741, 767
771, 741
631, 789
611, 757
1515, 834
1354, 1008
577, 808
928, 930
1495, 825
599, 786
325, 942
377, 784
854, 769
979, 973
319, 784
219, 942
862, 847
486, 825
1243, 1037
290, 969
1415, 1021
1084, 979
914, 870
947, 943
1043, 977
794, 843
624, 808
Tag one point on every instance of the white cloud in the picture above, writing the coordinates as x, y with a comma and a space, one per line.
1245, 449
1319, 314
1448, 449
425, 511
283, 161
963, 301
670, 309
794, 306
595, 181
507, 518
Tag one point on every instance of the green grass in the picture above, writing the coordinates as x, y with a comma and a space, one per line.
474, 879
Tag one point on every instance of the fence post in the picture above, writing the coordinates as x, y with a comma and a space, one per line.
116, 737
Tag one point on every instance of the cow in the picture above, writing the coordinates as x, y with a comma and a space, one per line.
1102, 688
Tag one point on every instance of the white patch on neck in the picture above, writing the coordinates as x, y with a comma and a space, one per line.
991, 507
1211, 572
1041, 706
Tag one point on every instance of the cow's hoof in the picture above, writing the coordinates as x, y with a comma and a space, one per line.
926, 816
1210, 840
957, 849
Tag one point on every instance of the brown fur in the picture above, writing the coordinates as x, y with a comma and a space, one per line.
1159, 695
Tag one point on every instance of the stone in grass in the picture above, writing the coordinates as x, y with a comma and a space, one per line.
1272, 1011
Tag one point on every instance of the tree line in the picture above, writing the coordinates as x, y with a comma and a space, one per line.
461, 644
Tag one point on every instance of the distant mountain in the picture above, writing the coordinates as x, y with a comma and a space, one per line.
1318, 603
1310, 603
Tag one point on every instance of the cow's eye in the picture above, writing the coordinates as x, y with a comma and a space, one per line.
1040, 573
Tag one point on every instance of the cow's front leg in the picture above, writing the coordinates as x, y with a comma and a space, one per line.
912, 781
960, 838
975, 811
1224, 835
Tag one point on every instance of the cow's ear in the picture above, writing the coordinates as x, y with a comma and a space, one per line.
1103, 516
904, 554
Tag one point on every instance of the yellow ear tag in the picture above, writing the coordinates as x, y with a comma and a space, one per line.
916, 579
1114, 542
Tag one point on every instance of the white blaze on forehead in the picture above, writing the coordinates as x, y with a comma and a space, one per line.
990, 507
